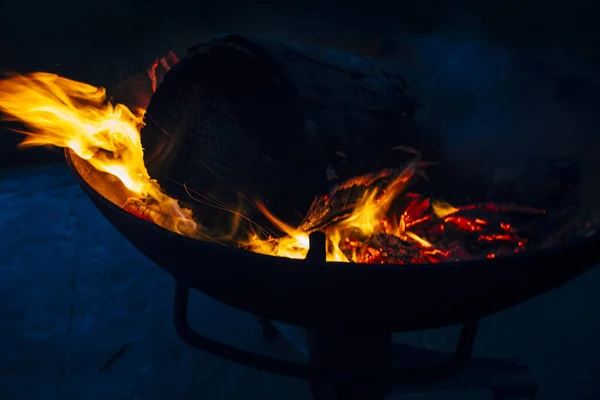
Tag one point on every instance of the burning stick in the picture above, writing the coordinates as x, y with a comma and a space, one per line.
152, 211
368, 219
363, 227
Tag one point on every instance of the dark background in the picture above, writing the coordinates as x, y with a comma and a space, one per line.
496, 77
103, 42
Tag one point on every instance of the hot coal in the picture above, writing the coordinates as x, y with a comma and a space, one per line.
418, 228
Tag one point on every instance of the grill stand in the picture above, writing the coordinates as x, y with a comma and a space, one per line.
353, 354
346, 365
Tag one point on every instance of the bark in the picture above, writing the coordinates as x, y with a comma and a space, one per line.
273, 121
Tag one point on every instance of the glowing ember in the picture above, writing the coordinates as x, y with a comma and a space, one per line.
368, 219
165, 62
365, 230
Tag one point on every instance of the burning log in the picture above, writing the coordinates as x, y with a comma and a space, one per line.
367, 216
241, 118
150, 210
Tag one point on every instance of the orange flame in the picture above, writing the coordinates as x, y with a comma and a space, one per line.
65, 113
368, 216
424, 231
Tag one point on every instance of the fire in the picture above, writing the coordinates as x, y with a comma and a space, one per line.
65, 113
294, 245
372, 218
366, 217
417, 230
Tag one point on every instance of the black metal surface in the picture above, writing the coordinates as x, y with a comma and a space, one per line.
306, 371
331, 378
355, 353
376, 298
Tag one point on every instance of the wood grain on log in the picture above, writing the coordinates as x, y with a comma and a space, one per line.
265, 119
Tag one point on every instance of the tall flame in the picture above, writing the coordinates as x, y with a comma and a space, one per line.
70, 114
367, 217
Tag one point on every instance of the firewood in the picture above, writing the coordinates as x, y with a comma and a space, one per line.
241, 119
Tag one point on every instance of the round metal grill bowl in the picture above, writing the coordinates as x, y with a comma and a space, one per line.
354, 296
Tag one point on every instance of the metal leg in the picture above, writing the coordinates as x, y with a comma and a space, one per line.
354, 353
356, 365
527, 391
269, 331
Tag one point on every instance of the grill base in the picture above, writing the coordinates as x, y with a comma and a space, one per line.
346, 365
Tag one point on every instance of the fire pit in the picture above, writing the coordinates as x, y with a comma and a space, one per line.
349, 305
351, 272
315, 293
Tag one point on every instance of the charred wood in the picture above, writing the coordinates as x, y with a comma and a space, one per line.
239, 119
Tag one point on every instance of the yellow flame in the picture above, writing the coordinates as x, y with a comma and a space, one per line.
78, 116
295, 245
66, 113
442, 209
367, 218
